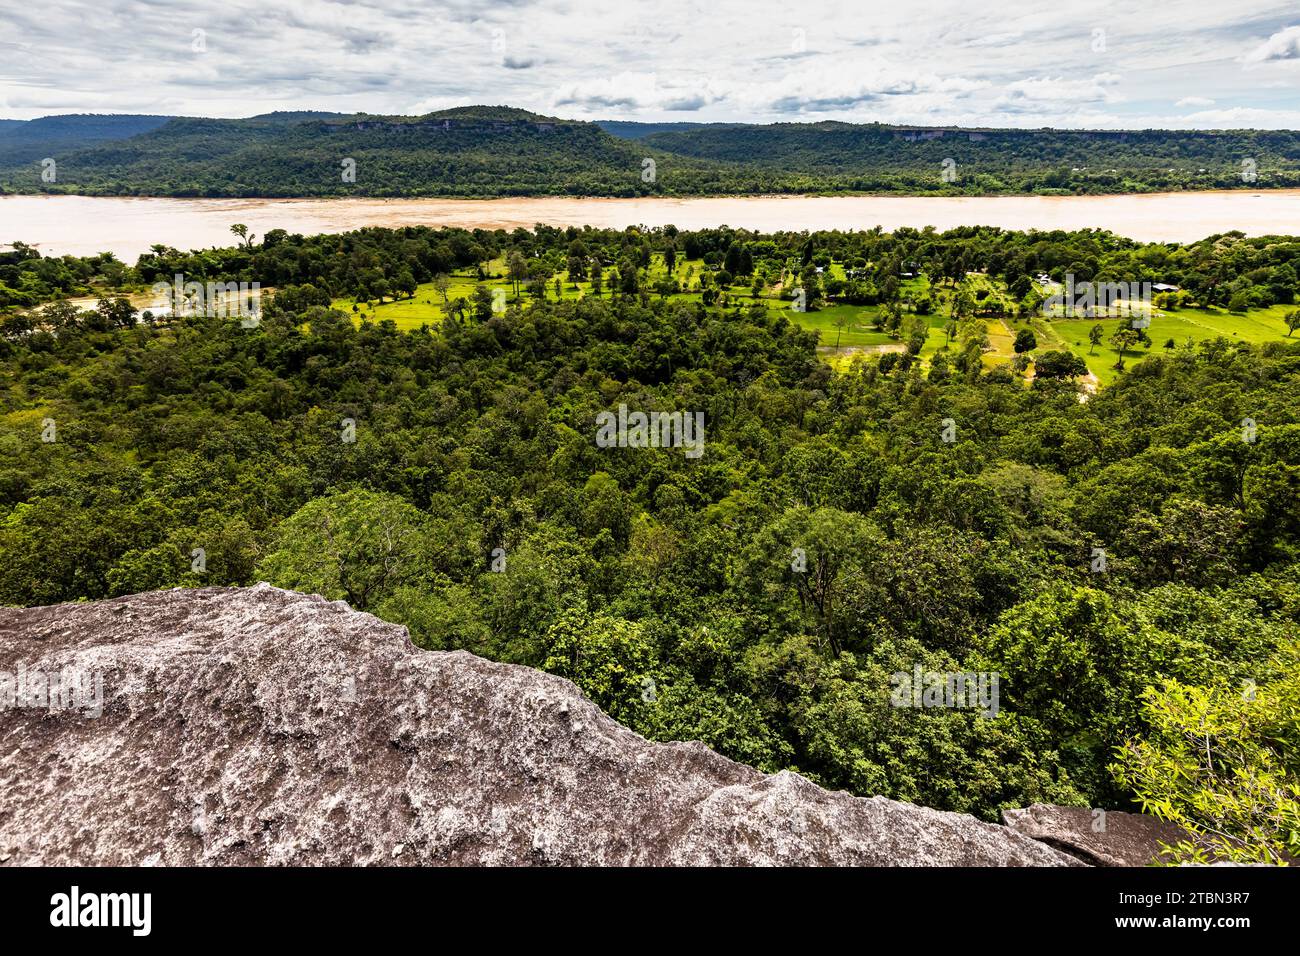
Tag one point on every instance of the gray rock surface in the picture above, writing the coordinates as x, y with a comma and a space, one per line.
1113, 839
261, 726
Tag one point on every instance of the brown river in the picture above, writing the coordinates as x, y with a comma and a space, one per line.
84, 225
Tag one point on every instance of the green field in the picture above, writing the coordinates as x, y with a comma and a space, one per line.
847, 331
426, 307
1183, 326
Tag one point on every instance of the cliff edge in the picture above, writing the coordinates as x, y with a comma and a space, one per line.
245, 726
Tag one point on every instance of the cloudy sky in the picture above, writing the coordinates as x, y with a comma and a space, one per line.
1102, 63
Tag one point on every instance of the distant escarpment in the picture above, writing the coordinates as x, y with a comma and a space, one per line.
499, 151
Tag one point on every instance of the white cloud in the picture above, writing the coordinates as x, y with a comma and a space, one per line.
1043, 94
1245, 117
849, 85
1283, 45
1013, 63
995, 39
637, 92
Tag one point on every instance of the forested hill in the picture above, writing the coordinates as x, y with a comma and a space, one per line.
880, 158
31, 141
468, 151
625, 129
481, 151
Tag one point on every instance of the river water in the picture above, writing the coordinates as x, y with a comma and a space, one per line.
84, 225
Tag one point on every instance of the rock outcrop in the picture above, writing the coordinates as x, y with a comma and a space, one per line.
1112, 838
261, 726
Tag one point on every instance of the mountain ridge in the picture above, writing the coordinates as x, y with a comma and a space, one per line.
479, 151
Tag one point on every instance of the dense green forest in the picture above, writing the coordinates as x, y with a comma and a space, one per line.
31, 141
878, 158
1128, 565
473, 152
499, 151
1226, 270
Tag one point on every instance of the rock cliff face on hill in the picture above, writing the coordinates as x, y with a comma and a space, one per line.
261, 726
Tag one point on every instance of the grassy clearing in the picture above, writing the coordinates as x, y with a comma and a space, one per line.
1182, 327
841, 326
847, 331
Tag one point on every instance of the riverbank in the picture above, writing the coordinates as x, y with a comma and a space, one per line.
129, 226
